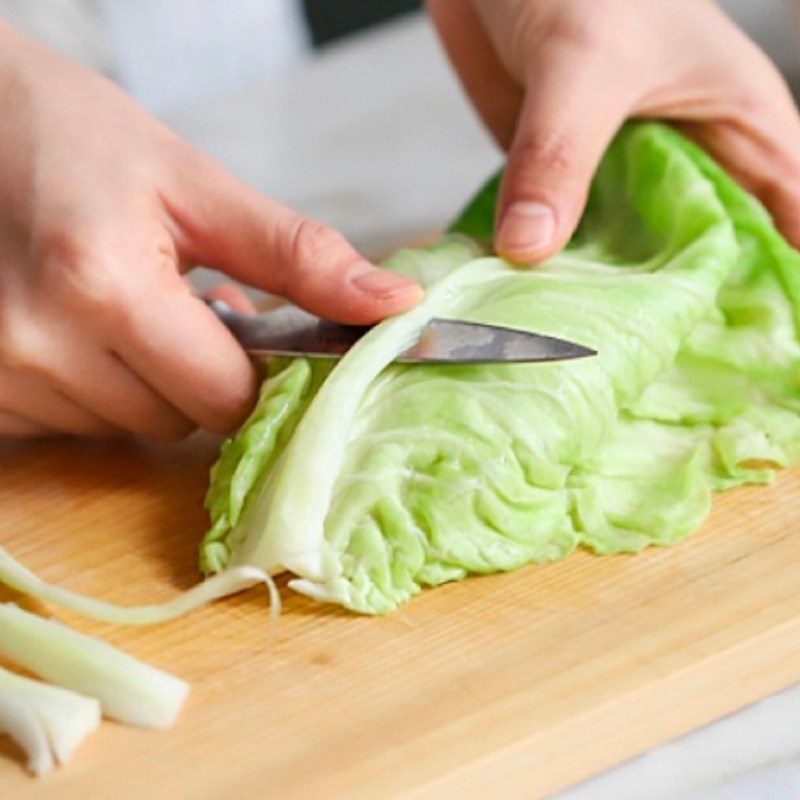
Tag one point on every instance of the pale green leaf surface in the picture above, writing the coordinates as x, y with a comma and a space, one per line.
372, 480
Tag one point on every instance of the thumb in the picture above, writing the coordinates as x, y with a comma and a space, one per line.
225, 224
571, 111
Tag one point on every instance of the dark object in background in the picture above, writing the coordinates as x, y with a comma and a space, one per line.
332, 19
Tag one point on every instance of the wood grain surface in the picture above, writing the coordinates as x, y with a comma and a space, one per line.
505, 686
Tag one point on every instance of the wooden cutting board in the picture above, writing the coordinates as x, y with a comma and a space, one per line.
505, 686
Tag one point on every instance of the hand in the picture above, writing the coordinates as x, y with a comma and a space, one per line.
555, 79
101, 210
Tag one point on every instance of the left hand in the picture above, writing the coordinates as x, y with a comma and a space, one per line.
555, 79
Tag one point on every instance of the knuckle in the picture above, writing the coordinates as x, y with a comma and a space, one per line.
539, 29
311, 242
754, 90
574, 31
582, 24
21, 338
750, 107
548, 153
76, 265
19, 348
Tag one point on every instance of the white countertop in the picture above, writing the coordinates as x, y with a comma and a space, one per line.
375, 138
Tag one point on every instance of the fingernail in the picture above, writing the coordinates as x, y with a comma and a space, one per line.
527, 227
381, 283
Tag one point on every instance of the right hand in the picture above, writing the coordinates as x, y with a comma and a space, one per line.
101, 211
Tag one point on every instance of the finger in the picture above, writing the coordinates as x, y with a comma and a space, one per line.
573, 107
103, 383
230, 226
137, 345
233, 296
174, 343
493, 92
32, 398
17, 426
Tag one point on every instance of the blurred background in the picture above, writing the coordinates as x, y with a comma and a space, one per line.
170, 53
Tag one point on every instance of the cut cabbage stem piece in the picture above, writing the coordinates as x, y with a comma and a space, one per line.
129, 690
18, 720
228, 582
49, 723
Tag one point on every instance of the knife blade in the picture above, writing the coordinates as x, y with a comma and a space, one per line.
290, 331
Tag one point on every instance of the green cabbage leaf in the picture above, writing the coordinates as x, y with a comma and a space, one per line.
369, 480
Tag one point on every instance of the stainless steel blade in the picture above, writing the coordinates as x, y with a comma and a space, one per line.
451, 341
291, 331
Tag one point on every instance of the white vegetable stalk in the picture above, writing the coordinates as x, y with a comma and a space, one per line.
19, 721
47, 722
128, 690
231, 581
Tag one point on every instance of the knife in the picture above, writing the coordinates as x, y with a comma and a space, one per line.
290, 331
